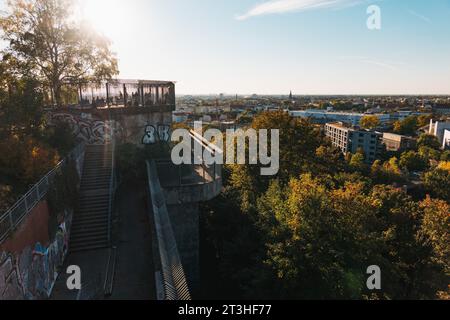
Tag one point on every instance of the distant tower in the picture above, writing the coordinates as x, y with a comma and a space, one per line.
290, 95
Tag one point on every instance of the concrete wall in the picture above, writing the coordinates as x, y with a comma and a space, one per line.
130, 126
185, 223
33, 229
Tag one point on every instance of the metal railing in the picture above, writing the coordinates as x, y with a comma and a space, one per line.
14, 216
112, 184
172, 175
175, 286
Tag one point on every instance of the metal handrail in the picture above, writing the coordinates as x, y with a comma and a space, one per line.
111, 184
17, 213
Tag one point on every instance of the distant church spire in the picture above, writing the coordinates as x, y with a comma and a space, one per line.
290, 95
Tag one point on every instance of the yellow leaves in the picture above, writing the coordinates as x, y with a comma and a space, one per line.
444, 165
35, 152
370, 122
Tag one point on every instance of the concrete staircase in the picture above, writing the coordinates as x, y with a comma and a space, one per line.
90, 223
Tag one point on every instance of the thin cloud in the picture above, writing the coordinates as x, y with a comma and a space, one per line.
389, 65
283, 6
420, 16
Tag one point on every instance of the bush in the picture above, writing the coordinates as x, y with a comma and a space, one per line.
131, 159
62, 195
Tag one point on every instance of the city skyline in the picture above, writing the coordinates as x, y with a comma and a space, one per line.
312, 47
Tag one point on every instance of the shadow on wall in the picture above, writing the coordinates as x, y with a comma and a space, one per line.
32, 273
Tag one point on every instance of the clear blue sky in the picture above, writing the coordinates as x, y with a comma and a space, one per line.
257, 46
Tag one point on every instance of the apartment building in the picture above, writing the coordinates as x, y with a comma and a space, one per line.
438, 129
352, 139
396, 142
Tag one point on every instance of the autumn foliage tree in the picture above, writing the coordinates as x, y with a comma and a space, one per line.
369, 122
312, 231
44, 37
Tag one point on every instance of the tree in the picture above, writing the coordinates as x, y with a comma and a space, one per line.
424, 120
413, 161
376, 171
435, 231
392, 171
437, 182
369, 122
429, 153
428, 140
357, 162
21, 107
408, 126
436, 227
445, 156
299, 140
44, 39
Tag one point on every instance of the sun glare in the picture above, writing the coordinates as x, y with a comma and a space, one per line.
109, 17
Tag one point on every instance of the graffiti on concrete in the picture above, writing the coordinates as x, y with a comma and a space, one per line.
31, 274
153, 135
84, 127
149, 136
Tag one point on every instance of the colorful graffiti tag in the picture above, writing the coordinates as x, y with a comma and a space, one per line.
31, 274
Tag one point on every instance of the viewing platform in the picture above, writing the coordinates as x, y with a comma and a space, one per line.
122, 96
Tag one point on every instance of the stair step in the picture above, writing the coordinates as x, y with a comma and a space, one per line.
91, 227
92, 242
97, 246
96, 179
89, 199
91, 213
88, 235
86, 220
93, 188
96, 183
93, 205
94, 201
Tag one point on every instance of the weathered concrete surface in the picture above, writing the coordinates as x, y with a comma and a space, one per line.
185, 224
193, 193
94, 125
93, 269
134, 277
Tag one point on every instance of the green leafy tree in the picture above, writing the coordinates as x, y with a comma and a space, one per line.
428, 140
299, 140
424, 120
392, 171
429, 153
357, 162
408, 126
413, 161
43, 37
445, 156
437, 182
436, 227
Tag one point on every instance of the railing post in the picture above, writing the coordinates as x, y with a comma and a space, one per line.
11, 223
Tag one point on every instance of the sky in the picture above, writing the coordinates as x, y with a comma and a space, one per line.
275, 46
